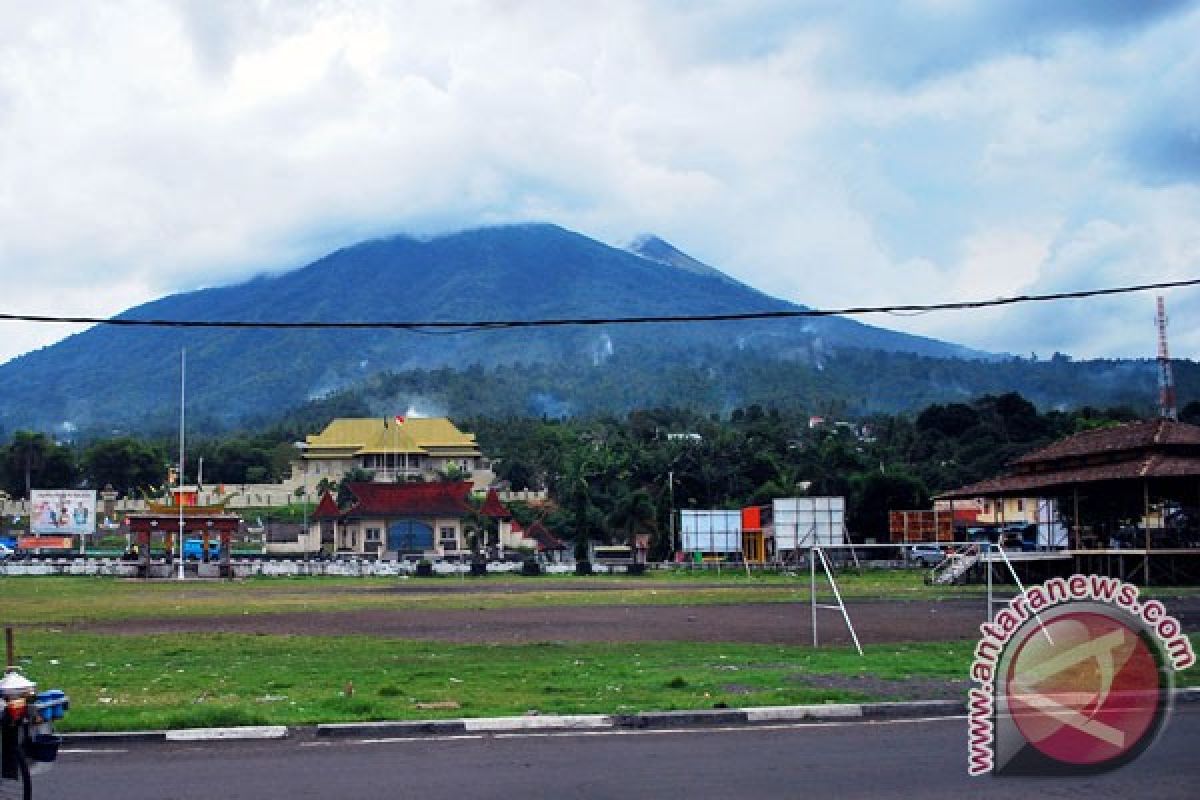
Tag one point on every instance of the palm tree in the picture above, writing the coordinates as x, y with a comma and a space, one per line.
633, 512
26, 455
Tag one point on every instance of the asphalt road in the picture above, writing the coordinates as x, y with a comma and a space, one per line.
920, 758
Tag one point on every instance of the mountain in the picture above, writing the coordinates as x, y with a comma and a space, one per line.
122, 377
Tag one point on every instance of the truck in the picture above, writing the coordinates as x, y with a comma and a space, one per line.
193, 550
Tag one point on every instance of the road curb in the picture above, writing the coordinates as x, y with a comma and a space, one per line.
663, 720
914, 709
534, 722
1189, 695
115, 737
683, 719
429, 727
213, 734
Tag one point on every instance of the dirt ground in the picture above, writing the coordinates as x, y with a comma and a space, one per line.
876, 621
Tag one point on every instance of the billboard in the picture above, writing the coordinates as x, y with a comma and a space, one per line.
62, 511
809, 522
711, 531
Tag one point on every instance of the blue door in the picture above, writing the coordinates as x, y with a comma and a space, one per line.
410, 535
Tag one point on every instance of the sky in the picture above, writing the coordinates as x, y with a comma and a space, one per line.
833, 154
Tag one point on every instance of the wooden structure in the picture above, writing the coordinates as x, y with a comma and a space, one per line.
162, 523
920, 526
1130, 493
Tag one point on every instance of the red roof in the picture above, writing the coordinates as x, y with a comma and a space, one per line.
492, 507
544, 538
409, 499
327, 508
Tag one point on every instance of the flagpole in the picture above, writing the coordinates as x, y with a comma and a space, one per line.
179, 481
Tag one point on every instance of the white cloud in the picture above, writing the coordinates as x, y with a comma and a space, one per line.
152, 147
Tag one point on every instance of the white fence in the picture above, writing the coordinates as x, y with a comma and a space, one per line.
245, 568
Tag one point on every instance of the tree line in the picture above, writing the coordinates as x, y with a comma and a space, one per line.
136, 466
611, 477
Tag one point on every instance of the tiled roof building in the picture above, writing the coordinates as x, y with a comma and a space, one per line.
392, 449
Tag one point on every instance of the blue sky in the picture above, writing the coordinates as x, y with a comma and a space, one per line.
829, 153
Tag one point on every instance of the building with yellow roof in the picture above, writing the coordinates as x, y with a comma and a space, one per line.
393, 448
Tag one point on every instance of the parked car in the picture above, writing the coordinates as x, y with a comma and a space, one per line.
5, 552
927, 555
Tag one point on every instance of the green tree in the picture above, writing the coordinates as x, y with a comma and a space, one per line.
873, 494
355, 475
124, 463
34, 461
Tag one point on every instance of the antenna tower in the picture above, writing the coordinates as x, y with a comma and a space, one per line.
1166, 381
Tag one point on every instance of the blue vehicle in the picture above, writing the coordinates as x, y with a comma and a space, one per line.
193, 550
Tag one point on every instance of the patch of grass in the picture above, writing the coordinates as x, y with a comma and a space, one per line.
214, 716
195, 680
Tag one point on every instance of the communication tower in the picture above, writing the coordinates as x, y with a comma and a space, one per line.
1166, 381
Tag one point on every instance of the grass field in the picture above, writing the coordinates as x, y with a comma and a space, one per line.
39, 600
172, 681
198, 679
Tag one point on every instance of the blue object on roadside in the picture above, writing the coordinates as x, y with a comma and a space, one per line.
51, 704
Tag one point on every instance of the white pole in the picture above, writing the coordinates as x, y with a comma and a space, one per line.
812, 589
987, 544
838, 596
179, 481
671, 512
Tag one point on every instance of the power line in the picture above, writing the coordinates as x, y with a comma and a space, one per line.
437, 326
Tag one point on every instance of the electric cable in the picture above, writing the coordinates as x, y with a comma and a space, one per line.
461, 326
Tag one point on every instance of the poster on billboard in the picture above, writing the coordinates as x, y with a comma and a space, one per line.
62, 511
